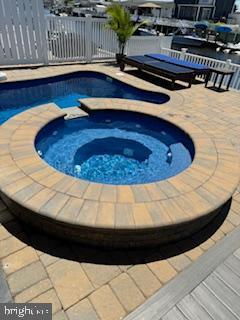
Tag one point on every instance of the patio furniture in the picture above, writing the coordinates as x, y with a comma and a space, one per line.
199, 69
222, 73
160, 68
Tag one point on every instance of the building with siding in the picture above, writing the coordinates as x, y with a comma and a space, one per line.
198, 10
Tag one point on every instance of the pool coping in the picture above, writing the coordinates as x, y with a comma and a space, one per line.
131, 215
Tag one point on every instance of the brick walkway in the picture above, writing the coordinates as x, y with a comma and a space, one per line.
87, 283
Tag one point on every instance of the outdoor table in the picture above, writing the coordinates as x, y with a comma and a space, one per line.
222, 73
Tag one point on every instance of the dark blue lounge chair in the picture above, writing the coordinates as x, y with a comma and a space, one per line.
199, 69
161, 68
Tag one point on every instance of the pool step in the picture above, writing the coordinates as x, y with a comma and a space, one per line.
74, 112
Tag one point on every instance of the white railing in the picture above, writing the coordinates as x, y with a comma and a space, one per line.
104, 41
27, 37
73, 39
65, 39
145, 44
212, 63
22, 38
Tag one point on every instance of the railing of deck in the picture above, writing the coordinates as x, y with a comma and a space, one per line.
212, 63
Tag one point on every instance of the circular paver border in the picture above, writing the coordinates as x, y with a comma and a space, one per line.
135, 215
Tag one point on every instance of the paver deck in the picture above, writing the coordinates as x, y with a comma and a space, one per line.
159, 212
52, 276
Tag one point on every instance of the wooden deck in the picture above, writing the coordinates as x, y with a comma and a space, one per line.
208, 290
217, 297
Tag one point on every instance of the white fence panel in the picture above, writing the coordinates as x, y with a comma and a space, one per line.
74, 39
212, 63
21, 32
66, 39
147, 44
104, 42
27, 37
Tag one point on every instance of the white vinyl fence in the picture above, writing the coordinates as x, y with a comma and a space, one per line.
213, 63
147, 44
87, 39
29, 37
76, 39
22, 32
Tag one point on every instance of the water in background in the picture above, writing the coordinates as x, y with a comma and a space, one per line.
211, 53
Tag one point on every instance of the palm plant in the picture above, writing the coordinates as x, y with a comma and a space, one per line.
120, 22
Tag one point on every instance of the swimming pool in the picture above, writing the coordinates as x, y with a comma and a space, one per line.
66, 90
116, 147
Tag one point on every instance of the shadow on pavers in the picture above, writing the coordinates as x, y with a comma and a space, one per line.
69, 250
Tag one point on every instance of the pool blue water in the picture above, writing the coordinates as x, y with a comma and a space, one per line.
115, 147
65, 91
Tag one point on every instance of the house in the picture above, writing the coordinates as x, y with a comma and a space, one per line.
152, 8
224, 8
198, 10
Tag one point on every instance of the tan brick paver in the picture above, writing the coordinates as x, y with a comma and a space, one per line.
82, 310
19, 259
106, 304
179, 262
34, 291
100, 274
70, 282
163, 270
207, 244
51, 297
144, 279
127, 292
89, 290
10, 245
194, 254
26, 277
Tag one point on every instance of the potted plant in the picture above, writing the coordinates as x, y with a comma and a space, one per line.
120, 22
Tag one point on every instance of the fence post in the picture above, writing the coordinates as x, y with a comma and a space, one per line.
160, 41
43, 26
228, 63
183, 53
45, 43
88, 38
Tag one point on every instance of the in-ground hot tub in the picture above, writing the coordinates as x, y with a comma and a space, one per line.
116, 147
139, 211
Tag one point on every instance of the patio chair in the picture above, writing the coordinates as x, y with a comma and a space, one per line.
160, 68
199, 69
